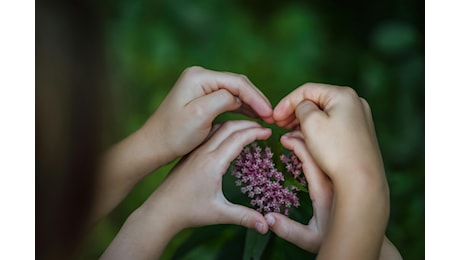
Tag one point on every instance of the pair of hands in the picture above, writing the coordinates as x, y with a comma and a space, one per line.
336, 144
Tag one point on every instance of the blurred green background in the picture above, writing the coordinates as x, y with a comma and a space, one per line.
376, 47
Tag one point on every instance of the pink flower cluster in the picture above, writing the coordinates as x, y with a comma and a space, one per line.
262, 182
294, 166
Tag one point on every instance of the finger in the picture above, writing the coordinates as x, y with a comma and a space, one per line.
319, 184
368, 113
246, 110
227, 129
243, 216
287, 121
301, 235
311, 118
369, 120
320, 94
209, 106
286, 107
306, 108
293, 124
237, 85
320, 187
232, 146
297, 134
213, 130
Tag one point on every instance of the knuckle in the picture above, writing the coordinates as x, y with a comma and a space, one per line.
244, 220
240, 138
238, 135
226, 96
350, 92
307, 85
366, 105
349, 96
193, 70
243, 77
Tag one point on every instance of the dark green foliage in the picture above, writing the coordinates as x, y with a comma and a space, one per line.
255, 244
376, 47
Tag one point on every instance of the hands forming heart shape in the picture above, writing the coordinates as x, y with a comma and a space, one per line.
333, 136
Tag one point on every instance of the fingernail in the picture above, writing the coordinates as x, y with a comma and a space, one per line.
260, 227
270, 220
286, 135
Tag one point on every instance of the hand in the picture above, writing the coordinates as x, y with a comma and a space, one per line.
181, 123
337, 126
339, 133
194, 186
184, 118
190, 196
308, 237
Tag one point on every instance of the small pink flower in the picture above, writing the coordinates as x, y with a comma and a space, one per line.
261, 181
294, 166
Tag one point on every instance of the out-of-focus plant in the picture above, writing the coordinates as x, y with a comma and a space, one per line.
376, 47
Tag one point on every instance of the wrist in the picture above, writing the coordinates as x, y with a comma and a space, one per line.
157, 221
154, 144
360, 181
144, 235
122, 167
167, 208
365, 199
360, 212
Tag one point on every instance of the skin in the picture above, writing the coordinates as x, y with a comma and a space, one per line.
320, 188
198, 177
181, 123
337, 130
336, 144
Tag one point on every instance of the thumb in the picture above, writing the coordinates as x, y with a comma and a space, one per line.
297, 233
243, 216
307, 111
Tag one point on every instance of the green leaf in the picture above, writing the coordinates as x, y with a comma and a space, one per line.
207, 237
255, 244
290, 181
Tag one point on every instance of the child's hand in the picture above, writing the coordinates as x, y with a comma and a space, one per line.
193, 189
307, 237
178, 126
310, 237
184, 118
191, 196
338, 129
339, 133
